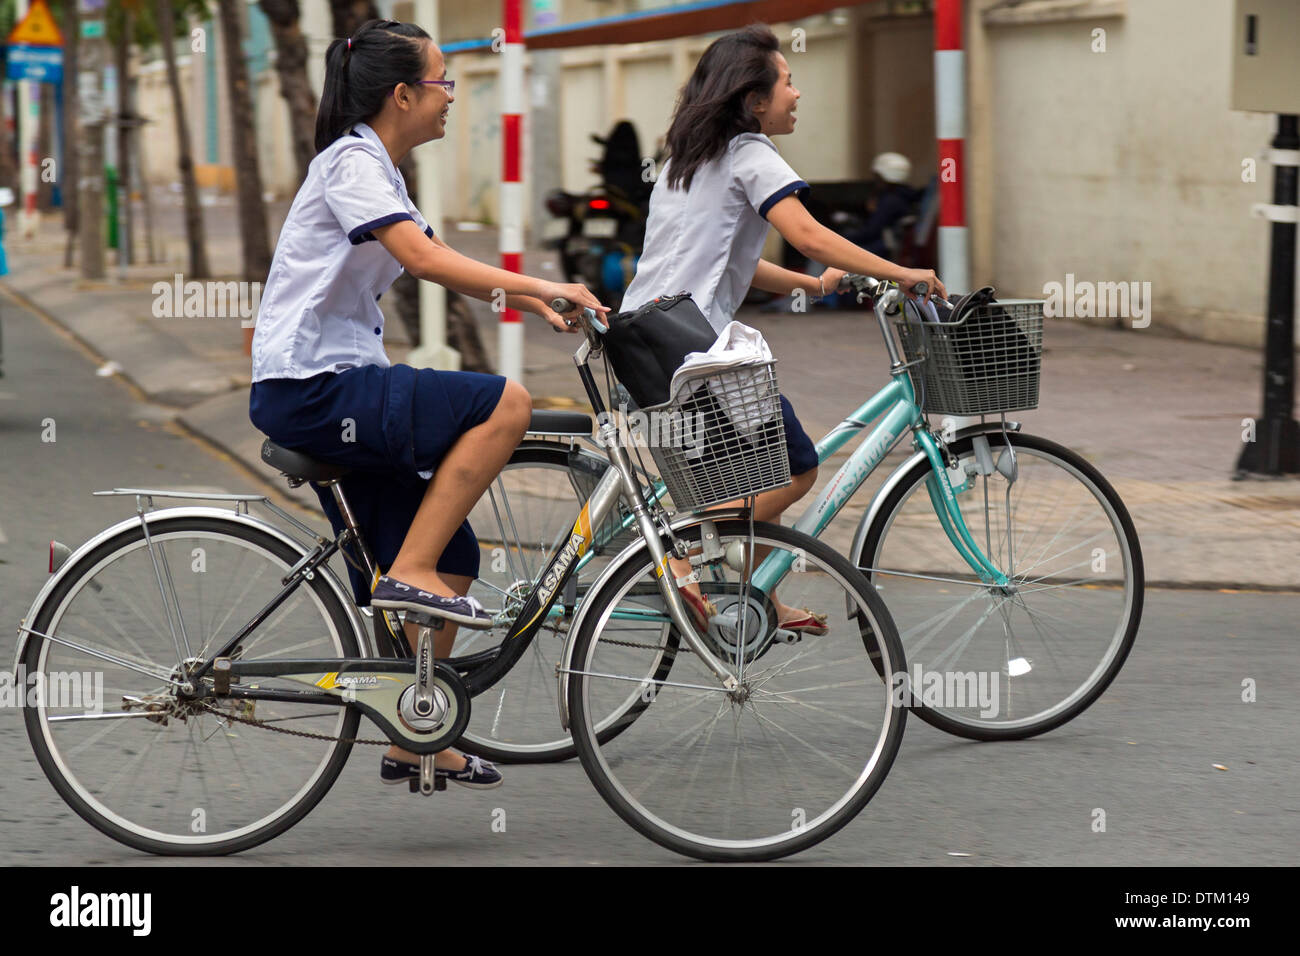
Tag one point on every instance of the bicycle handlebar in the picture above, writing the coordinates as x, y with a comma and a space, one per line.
562, 305
867, 286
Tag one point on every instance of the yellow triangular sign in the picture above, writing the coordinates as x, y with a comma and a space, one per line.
37, 28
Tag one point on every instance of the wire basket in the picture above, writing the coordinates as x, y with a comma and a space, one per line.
720, 437
990, 361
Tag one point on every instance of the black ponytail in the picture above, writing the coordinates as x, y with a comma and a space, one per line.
362, 71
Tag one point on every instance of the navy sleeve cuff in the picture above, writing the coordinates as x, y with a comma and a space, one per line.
794, 187
428, 231
362, 232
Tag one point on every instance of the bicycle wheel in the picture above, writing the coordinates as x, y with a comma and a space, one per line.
186, 780
1004, 665
763, 772
522, 520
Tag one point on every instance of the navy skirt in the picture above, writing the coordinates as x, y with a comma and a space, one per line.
803, 453
388, 424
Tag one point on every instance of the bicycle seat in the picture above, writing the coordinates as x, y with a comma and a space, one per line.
545, 422
300, 467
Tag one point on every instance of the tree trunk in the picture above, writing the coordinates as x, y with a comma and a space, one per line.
126, 235
70, 174
45, 148
291, 65
248, 178
193, 211
350, 14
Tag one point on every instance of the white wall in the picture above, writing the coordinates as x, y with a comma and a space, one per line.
1126, 165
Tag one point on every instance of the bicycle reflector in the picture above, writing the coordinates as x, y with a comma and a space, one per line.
598, 204
58, 554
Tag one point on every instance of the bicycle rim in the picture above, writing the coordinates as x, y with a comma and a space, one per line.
200, 783
989, 664
765, 774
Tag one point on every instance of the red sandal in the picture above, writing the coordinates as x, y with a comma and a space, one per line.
700, 610
811, 623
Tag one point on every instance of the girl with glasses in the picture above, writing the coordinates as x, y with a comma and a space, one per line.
423, 444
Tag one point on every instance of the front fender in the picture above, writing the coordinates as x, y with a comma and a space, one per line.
52, 582
902, 472
630, 553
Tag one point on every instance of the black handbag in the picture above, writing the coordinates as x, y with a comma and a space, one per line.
647, 345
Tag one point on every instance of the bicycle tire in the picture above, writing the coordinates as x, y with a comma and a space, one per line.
78, 797
1089, 480
844, 808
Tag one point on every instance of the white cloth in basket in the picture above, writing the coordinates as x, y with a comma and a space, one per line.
736, 346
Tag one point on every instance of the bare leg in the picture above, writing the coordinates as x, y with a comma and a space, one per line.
469, 468
442, 642
769, 506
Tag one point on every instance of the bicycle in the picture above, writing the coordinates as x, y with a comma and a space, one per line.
1003, 557
725, 744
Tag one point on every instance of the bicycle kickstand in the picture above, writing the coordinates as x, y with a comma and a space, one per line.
424, 704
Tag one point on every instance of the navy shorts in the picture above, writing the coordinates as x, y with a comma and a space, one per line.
388, 424
803, 453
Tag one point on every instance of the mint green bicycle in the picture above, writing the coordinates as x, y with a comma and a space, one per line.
1009, 563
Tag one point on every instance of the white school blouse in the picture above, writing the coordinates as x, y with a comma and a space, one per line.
319, 310
707, 240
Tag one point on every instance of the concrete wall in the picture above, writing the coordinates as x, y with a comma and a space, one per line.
1122, 165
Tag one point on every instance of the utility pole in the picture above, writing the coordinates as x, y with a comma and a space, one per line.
1266, 79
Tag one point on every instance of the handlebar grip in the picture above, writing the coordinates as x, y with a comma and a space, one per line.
562, 305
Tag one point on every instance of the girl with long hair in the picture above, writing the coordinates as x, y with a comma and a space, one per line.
723, 185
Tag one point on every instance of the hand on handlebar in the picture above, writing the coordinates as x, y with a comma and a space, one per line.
574, 294
557, 321
832, 280
932, 286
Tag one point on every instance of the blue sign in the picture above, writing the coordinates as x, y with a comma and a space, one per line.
44, 64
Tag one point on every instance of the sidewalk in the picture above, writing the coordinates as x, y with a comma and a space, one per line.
1161, 417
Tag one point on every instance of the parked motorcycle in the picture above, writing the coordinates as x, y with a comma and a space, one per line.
599, 234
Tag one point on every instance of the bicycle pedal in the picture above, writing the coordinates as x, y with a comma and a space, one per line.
439, 784
426, 620
787, 637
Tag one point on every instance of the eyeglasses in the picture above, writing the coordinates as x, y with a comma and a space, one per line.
447, 85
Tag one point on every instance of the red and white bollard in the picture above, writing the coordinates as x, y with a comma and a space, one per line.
511, 360
950, 123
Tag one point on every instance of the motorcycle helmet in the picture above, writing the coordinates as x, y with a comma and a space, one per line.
892, 167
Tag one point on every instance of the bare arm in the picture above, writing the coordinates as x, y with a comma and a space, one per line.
814, 240
772, 278
524, 303
434, 261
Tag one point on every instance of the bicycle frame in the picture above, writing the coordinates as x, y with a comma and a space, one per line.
375, 684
